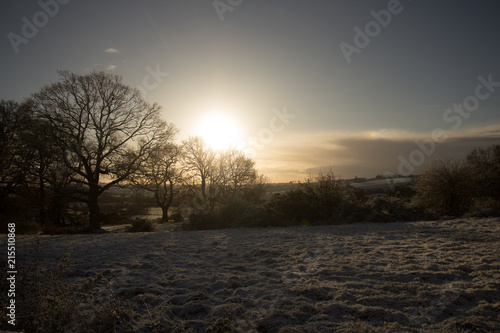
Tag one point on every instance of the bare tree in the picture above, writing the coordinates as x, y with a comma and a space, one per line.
200, 163
13, 119
101, 127
236, 171
46, 174
160, 173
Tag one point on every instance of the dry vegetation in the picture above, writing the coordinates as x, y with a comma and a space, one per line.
437, 276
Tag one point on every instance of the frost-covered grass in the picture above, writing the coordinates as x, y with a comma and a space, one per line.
435, 276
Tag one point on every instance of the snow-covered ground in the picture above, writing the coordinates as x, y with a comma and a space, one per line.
421, 276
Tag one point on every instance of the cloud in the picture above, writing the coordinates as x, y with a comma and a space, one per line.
366, 154
111, 50
108, 67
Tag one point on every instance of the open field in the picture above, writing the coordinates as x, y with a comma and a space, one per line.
435, 276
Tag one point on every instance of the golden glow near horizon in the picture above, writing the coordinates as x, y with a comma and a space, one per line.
219, 131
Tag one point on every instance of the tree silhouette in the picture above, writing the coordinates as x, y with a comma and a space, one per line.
101, 127
199, 164
47, 178
236, 171
160, 172
13, 119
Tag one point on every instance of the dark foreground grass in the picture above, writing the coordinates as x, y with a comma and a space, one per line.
437, 276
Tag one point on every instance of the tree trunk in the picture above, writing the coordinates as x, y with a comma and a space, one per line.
41, 182
164, 210
204, 193
94, 222
41, 209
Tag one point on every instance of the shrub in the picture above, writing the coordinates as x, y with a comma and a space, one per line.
142, 225
113, 218
445, 188
485, 172
393, 209
232, 212
484, 207
236, 213
314, 200
177, 216
57, 230
204, 220
27, 227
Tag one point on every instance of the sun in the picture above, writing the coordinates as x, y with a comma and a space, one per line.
219, 131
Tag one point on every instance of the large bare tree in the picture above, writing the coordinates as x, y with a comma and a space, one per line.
101, 127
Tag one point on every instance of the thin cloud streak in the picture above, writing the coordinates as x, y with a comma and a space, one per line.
102, 67
111, 50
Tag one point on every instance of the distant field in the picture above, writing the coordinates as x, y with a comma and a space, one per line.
382, 183
437, 276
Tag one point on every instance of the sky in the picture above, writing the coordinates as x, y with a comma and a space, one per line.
360, 87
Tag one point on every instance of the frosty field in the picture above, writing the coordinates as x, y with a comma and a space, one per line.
396, 277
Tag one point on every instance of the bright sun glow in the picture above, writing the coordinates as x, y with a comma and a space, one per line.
219, 131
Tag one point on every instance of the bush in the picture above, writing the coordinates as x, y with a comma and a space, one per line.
113, 218
484, 207
237, 213
314, 200
393, 209
177, 216
204, 220
232, 214
23, 227
379, 209
485, 172
445, 188
142, 225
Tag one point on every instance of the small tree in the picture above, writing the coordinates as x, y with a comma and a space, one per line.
236, 171
100, 127
445, 188
200, 165
160, 172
